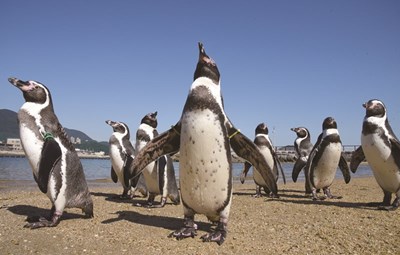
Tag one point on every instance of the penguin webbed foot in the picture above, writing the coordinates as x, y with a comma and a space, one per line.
189, 230
392, 207
151, 205
43, 222
122, 197
315, 197
329, 195
218, 235
184, 233
273, 195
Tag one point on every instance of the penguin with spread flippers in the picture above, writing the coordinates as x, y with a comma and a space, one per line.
267, 149
381, 148
204, 136
303, 147
55, 164
324, 160
121, 156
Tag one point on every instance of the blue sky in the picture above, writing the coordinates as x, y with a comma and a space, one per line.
285, 63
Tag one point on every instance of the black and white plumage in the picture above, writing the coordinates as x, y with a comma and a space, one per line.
381, 148
266, 147
303, 147
159, 175
55, 164
325, 158
204, 136
121, 156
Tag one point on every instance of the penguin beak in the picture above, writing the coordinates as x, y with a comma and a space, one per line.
203, 57
22, 85
294, 129
110, 122
364, 105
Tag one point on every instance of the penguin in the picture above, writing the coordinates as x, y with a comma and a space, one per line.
159, 175
267, 149
55, 164
204, 136
303, 147
324, 159
121, 155
381, 148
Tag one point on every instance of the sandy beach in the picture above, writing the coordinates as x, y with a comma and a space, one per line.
292, 224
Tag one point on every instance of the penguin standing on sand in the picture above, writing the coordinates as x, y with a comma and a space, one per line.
324, 159
159, 175
381, 148
55, 164
204, 136
303, 147
267, 149
121, 155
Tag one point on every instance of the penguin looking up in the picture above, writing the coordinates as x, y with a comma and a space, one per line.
159, 175
324, 160
381, 148
303, 147
204, 136
121, 155
55, 164
267, 149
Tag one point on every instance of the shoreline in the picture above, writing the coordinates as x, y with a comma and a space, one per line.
292, 224
21, 154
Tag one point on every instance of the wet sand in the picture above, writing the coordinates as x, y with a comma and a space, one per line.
292, 224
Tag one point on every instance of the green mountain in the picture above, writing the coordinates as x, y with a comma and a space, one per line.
9, 129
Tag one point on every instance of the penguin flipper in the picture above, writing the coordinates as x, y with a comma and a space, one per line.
356, 158
278, 164
247, 150
127, 163
395, 150
246, 169
344, 167
310, 162
50, 155
114, 176
161, 165
298, 166
166, 143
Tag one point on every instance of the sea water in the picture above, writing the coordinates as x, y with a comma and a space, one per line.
18, 169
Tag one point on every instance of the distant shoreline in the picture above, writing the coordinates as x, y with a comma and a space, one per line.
21, 154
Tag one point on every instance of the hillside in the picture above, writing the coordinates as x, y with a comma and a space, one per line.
9, 129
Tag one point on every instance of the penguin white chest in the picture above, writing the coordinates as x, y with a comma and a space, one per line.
150, 172
204, 166
266, 152
325, 169
117, 161
32, 147
379, 157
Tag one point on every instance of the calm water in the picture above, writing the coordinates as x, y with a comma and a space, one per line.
97, 169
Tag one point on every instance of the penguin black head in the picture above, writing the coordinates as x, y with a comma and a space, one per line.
328, 123
119, 127
33, 91
261, 129
301, 132
206, 67
374, 107
150, 119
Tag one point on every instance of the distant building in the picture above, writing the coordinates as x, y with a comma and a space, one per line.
75, 140
14, 143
